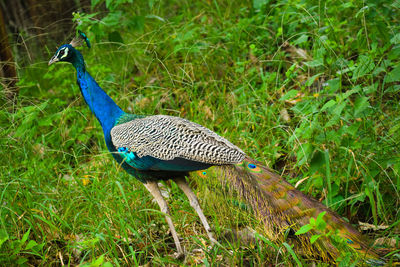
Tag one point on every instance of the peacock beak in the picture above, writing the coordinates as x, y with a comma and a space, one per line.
53, 60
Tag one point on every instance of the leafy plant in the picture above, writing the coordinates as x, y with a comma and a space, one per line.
116, 17
18, 251
348, 257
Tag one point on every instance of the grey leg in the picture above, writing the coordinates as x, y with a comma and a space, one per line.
181, 182
155, 191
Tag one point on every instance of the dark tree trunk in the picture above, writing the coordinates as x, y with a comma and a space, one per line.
32, 29
38, 26
8, 70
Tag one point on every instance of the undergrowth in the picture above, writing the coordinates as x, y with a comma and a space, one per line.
309, 88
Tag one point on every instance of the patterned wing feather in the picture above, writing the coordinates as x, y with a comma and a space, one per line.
167, 138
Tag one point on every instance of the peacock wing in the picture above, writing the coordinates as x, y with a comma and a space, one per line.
169, 138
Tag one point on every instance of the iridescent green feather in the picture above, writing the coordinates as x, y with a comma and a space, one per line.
128, 117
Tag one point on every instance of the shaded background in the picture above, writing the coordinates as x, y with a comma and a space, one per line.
31, 26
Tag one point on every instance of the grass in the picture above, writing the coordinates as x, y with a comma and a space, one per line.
307, 91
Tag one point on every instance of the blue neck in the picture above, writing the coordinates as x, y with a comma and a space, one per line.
103, 107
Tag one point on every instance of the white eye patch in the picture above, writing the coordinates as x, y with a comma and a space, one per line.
65, 53
65, 50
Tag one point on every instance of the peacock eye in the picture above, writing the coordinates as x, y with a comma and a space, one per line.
62, 52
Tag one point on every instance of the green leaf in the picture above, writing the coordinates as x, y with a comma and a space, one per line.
30, 244
333, 85
21, 261
290, 250
304, 154
302, 39
3, 237
394, 75
46, 121
304, 229
113, 19
257, 4
98, 262
115, 37
393, 88
320, 217
362, 10
348, 93
360, 105
109, 4
290, 72
96, 2
328, 104
311, 80
394, 129
364, 66
371, 88
314, 63
317, 161
266, 240
396, 39
25, 236
136, 23
314, 238
289, 95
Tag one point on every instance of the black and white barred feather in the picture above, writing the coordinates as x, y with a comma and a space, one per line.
166, 138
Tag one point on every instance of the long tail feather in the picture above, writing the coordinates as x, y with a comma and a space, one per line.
281, 206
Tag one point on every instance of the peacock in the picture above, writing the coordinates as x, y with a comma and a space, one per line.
160, 147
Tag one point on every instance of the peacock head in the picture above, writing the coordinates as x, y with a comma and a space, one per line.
67, 52
64, 53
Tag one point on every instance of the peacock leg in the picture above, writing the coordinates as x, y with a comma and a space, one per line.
155, 191
181, 182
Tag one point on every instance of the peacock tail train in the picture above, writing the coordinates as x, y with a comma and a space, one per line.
280, 206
